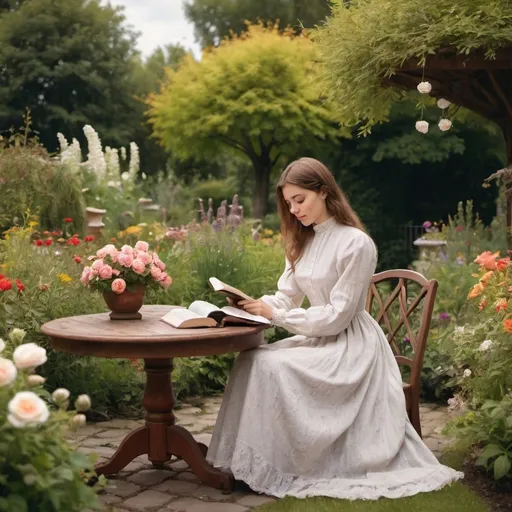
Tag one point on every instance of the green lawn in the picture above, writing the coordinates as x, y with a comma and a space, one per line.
455, 498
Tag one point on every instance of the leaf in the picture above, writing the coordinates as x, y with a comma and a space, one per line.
502, 466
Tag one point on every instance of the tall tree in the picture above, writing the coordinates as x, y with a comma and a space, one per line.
255, 95
374, 49
71, 63
216, 19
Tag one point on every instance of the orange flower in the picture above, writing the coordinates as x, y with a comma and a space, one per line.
500, 304
487, 259
502, 264
507, 325
486, 277
476, 291
482, 304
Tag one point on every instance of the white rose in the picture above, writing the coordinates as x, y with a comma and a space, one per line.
485, 345
83, 403
27, 409
35, 380
7, 372
467, 372
29, 355
445, 124
2, 345
60, 395
442, 103
424, 87
422, 126
78, 420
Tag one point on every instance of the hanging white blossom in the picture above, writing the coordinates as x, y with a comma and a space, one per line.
133, 168
442, 103
123, 153
422, 126
445, 124
95, 158
424, 87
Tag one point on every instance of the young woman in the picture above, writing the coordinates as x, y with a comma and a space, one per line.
322, 413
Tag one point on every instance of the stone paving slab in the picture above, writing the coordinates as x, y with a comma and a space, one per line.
141, 487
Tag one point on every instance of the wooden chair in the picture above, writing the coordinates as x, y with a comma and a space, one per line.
423, 301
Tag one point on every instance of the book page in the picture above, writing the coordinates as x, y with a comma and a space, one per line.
241, 313
202, 308
228, 290
177, 316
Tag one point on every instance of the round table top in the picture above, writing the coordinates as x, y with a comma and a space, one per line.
148, 338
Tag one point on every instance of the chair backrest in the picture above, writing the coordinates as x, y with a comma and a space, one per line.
422, 300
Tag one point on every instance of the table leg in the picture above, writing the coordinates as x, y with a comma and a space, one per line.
160, 438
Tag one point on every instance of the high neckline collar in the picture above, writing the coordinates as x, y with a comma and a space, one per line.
325, 225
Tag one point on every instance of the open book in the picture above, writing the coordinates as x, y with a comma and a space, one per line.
230, 291
204, 314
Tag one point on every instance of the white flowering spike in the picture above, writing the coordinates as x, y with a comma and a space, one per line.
467, 372
442, 103
95, 157
445, 124
123, 153
422, 126
424, 87
133, 168
485, 345
63, 142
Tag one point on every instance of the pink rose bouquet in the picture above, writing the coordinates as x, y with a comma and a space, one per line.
113, 269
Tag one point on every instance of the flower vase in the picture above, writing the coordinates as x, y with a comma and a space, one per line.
126, 305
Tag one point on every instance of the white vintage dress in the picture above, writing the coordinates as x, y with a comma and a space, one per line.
323, 413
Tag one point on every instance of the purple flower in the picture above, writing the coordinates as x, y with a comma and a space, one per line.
445, 317
427, 224
407, 340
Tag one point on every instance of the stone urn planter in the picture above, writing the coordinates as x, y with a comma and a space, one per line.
95, 221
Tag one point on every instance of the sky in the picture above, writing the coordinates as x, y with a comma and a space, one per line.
159, 22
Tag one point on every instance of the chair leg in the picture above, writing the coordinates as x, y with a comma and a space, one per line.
414, 415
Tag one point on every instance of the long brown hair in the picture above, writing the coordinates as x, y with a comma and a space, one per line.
310, 174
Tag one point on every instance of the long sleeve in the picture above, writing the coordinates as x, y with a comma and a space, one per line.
355, 267
289, 295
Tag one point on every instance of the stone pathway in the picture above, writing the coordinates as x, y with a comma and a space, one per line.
176, 488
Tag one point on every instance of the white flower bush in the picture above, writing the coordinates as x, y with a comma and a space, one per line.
37, 466
422, 126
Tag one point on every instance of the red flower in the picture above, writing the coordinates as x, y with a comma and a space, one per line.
46, 233
5, 285
38, 243
48, 241
459, 228
73, 241
57, 233
77, 259
20, 285
68, 220
88, 238
2, 277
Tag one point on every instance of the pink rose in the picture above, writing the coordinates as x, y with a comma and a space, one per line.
166, 282
118, 285
110, 249
105, 272
115, 272
155, 273
126, 249
125, 259
138, 266
142, 246
97, 265
84, 278
145, 257
158, 262
101, 253
90, 258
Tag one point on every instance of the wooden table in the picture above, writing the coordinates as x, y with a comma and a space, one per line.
157, 343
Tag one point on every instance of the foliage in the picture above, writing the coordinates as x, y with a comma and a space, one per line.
38, 469
70, 62
255, 94
365, 41
31, 180
216, 19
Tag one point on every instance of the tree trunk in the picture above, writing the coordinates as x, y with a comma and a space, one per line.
262, 169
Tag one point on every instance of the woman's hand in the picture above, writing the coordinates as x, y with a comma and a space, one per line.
256, 307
